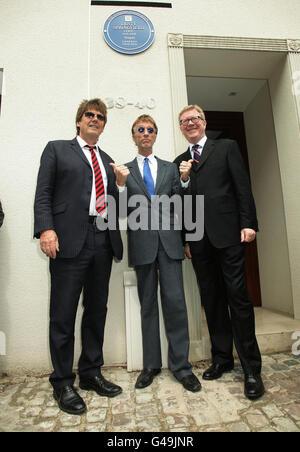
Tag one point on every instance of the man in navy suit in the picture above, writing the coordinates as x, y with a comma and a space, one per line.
75, 178
214, 168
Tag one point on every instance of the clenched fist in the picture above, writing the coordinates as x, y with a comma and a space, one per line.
185, 169
121, 173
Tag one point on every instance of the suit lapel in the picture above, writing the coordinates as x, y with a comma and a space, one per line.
161, 172
206, 152
75, 146
77, 149
136, 174
108, 169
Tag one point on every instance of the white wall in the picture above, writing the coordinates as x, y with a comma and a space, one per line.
273, 253
287, 126
46, 48
41, 53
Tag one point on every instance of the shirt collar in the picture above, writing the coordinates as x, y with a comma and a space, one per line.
82, 143
141, 158
200, 143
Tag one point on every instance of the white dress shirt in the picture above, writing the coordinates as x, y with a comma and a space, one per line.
152, 165
200, 143
87, 153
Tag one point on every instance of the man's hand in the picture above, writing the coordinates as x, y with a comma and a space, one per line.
247, 235
187, 251
121, 173
49, 243
185, 169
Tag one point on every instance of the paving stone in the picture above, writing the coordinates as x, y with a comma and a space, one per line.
256, 419
239, 427
177, 421
271, 410
150, 424
285, 425
293, 410
96, 415
149, 409
69, 421
27, 404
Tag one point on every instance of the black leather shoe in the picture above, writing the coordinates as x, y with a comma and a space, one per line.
191, 383
69, 400
146, 378
100, 385
216, 371
254, 387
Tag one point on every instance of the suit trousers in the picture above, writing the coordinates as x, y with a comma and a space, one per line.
173, 303
90, 271
221, 277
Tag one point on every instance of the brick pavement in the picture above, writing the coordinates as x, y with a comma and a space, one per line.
27, 405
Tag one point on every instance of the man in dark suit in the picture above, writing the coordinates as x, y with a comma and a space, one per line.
75, 178
156, 252
214, 168
1, 215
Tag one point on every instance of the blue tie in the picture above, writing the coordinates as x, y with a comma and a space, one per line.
148, 179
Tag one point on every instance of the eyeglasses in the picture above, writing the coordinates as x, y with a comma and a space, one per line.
142, 129
194, 120
90, 115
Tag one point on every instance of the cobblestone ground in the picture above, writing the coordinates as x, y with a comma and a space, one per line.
27, 405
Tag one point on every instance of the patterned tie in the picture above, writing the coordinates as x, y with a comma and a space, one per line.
196, 148
148, 179
99, 184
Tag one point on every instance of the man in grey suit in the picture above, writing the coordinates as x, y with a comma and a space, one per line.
156, 248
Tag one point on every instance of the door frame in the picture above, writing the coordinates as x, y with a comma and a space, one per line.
282, 96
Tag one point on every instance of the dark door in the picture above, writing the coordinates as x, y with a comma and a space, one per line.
231, 125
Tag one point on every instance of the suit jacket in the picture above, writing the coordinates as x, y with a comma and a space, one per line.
63, 195
228, 201
143, 244
1, 215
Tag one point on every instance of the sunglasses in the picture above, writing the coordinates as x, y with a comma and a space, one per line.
142, 129
90, 115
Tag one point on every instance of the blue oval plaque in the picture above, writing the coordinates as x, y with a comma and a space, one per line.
128, 32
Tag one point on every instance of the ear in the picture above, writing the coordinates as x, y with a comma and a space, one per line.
133, 139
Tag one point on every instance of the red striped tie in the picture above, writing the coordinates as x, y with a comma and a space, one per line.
196, 153
99, 184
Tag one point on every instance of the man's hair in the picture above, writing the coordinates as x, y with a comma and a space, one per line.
192, 107
145, 118
93, 104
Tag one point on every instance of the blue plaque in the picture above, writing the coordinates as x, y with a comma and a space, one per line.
128, 32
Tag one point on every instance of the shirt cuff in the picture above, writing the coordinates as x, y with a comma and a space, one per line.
185, 184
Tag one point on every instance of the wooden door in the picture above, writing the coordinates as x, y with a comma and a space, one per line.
231, 125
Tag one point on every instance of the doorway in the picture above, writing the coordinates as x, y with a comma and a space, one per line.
230, 125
